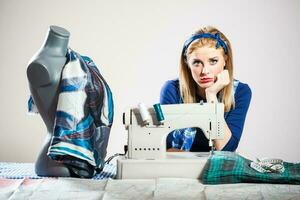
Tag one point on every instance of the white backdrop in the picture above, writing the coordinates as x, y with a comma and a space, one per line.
136, 45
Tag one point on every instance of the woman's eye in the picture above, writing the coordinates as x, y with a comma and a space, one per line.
213, 61
196, 63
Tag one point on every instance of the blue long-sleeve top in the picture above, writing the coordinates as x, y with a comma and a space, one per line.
235, 118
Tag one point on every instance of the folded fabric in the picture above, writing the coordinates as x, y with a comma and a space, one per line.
229, 167
182, 138
84, 113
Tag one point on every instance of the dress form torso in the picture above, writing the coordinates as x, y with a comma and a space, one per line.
43, 73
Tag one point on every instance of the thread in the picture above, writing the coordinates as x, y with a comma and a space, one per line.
144, 113
158, 112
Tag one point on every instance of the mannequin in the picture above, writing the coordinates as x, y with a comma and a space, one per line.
44, 73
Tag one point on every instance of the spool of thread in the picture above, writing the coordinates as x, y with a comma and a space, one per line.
144, 113
158, 112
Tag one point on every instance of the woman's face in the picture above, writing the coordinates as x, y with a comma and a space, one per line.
205, 63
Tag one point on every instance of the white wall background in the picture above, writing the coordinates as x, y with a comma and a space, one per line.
136, 44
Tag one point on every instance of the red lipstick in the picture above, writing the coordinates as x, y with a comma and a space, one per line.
206, 80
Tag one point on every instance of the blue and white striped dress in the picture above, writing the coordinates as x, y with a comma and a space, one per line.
84, 113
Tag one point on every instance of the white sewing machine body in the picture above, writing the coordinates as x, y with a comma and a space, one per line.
147, 142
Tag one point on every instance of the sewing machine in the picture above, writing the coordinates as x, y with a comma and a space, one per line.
147, 156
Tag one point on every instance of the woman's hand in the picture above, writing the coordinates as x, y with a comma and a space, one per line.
222, 81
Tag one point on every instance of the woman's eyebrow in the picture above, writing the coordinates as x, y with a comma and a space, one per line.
213, 58
197, 59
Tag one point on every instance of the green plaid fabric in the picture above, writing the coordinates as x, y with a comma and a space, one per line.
228, 167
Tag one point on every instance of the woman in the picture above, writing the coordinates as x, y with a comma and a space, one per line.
206, 73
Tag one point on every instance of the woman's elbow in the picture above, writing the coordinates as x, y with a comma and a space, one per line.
231, 145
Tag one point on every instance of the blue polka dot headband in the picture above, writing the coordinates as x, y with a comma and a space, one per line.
216, 36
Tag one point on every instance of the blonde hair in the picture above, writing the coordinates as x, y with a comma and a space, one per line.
187, 85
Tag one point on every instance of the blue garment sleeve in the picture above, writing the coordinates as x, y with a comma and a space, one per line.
235, 118
169, 93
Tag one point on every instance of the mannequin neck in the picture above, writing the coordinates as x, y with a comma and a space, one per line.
56, 42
